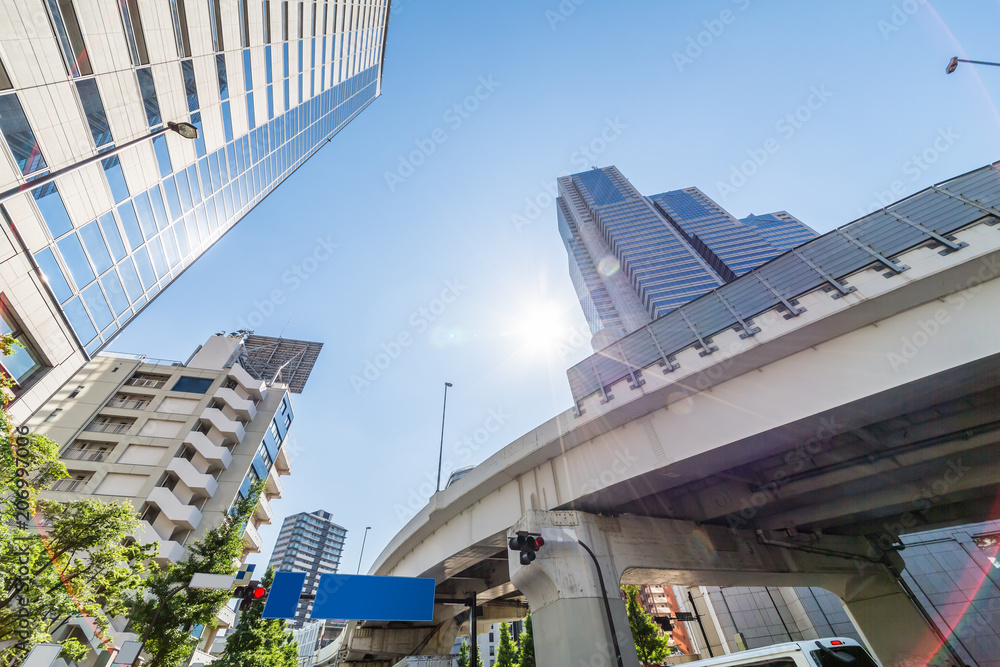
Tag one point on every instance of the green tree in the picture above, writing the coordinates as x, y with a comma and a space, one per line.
164, 613
651, 644
259, 642
464, 657
506, 651
57, 560
527, 656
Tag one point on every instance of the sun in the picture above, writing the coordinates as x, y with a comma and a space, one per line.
540, 326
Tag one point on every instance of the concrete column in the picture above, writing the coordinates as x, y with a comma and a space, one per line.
568, 611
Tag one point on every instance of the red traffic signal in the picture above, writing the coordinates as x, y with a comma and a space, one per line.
527, 543
247, 595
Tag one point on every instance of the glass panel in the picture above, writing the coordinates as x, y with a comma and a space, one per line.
190, 86
156, 198
213, 170
206, 177
215, 20
183, 246
220, 66
170, 187
184, 190
130, 224
116, 178
133, 31
145, 212
5, 83
145, 268
23, 361
199, 142
74, 257
251, 116
170, 248
162, 155
156, 254
116, 293
80, 320
93, 109
96, 247
98, 306
192, 174
227, 121
191, 225
110, 229
131, 279
179, 16
148, 91
53, 210
67, 29
53, 274
19, 137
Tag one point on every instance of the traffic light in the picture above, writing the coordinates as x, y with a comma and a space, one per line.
666, 623
527, 543
247, 595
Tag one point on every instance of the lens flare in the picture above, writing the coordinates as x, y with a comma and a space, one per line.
608, 266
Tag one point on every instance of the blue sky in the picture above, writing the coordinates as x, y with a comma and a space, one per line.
425, 231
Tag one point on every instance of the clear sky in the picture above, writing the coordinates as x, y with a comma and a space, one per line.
419, 202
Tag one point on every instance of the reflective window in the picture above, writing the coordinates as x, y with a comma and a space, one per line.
192, 385
145, 268
148, 91
243, 11
179, 16
190, 85
267, 21
184, 190
220, 67
192, 173
183, 245
53, 274
126, 213
20, 139
162, 155
170, 188
93, 109
199, 142
156, 255
133, 31
131, 280
170, 249
215, 20
96, 248
116, 178
156, 197
206, 177
145, 214
53, 210
98, 306
79, 266
115, 292
227, 121
67, 30
80, 320
110, 229
24, 361
5, 83
251, 116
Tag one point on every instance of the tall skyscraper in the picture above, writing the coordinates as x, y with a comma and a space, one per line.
309, 542
634, 258
181, 441
266, 84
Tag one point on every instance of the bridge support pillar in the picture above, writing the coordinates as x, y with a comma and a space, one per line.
568, 601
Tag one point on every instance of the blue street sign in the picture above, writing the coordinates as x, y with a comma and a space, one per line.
283, 598
360, 597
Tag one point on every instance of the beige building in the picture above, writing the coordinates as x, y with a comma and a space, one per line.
180, 441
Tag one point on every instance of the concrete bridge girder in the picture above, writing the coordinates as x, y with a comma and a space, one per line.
568, 605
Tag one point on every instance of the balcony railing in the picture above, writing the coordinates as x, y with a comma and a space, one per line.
128, 403
69, 484
145, 382
107, 427
81, 454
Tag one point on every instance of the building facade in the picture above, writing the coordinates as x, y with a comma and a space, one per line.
180, 441
265, 82
633, 258
309, 542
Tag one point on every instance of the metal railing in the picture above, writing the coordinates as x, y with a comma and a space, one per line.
69, 484
145, 382
141, 357
107, 427
81, 454
129, 403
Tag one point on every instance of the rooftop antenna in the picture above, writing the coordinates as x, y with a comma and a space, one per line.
282, 334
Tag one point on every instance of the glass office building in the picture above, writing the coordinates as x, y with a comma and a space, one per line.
635, 258
265, 82
309, 542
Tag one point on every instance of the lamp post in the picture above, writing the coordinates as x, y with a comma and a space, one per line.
186, 130
365, 539
953, 63
441, 450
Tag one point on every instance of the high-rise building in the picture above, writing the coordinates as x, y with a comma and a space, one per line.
309, 542
633, 259
181, 441
88, 90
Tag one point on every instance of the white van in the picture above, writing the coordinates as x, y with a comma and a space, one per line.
830, 652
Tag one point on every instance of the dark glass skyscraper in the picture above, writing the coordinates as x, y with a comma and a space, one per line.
633, 258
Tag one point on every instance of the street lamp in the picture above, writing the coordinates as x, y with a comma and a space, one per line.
186, 130
367, 528
441, 451
953, 63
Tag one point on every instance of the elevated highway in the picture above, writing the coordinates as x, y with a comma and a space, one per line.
784, 429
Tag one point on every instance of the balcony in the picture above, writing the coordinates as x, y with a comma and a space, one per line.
281, 462
257, 388
212, 452
227, 426
104, 425
147, 380
196, 481
244, 407
170, 552
130, 401
226, 617
187, 516
71, 485
263, 511
86, 454
272, 487
251, 539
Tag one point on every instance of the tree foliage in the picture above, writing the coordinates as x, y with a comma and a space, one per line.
259, 642
164, 614
465, 657
57, 560
506, 651
651, 644
527, 656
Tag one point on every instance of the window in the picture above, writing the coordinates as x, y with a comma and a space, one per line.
284, 20
4, 79
190, 85
148, 91
192, 385
93, 109
53, 211
179, 16
116, 178
25, 363
133, 31
301, 18
20, 139
244, 11
215, 18
67, 30
53, 415
162, 155
267, 23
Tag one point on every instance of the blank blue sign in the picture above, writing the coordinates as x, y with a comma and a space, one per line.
283, 597
368, 598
